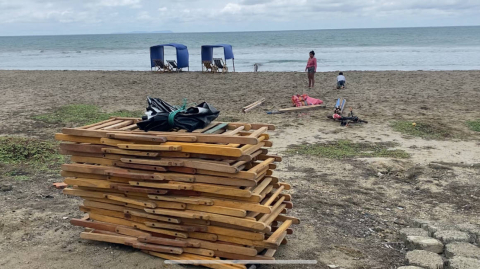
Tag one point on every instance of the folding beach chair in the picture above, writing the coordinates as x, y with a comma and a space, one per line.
160, 66
173, 65
339, 106
209, 66
220, 64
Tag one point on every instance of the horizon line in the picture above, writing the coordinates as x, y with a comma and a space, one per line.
259, 31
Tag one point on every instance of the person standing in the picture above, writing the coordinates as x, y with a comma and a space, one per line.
311, 69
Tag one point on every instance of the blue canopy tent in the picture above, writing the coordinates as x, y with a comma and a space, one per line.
157, 53
207, 53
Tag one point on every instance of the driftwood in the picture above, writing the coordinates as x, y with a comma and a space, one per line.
296, 109
253, 105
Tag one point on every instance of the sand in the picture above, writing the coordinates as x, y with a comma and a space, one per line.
350, 215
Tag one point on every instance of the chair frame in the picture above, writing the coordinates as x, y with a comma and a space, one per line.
173, 67
224, 65
161, 67
209, 65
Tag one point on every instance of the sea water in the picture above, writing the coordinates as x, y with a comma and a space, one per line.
435, 48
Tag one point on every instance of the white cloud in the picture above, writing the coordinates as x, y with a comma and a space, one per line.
203, 15
120, 3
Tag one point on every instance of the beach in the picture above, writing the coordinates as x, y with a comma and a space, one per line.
378, 96
351, 209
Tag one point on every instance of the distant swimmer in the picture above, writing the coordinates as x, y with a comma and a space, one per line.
255, 68
311, 69
341, 81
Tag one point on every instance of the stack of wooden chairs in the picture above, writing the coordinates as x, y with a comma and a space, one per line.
205, 195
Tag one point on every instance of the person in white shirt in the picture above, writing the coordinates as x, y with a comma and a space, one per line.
341, 81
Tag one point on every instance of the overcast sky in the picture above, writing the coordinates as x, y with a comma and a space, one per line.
47, 17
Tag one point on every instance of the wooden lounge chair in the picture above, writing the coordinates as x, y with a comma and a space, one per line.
173, 65
160, 66
209, 67
220, 64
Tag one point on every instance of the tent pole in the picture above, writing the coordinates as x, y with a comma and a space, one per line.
233, 60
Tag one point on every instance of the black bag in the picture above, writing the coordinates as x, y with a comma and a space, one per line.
161, 116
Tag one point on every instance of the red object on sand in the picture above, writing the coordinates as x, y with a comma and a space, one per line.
305, 100
60, 185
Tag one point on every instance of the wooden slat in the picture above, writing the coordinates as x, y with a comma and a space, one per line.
86, 168
249, 224
106, 124
205, 179
82, 147
130, 152
285, 218
118, 125
101, 161
264, 157
107, 238
181, 199
216, 128
161, 162
131, 201
157, 248
82, 175
275, 207
129, 127
79, 139
82, 193
130, 189
135, 137
98, 183
279, 232
242, 205
201, 138
169, 226
260, 187
261, 166
235, 233
140, 166
166, 241
96, 124
143, 214
94, 225
150, 147
219, 210
190, 163
132, 174
210, 188
167, 186
235, 131
302, 108
199, 251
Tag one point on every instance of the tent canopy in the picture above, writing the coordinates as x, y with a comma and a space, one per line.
157, 53
207, 51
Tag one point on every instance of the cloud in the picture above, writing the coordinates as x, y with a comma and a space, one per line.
202, 15
254, 2
120, 3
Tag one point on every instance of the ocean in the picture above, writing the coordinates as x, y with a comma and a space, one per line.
435, 48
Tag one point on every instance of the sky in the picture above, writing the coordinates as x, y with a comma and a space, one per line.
60, 17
